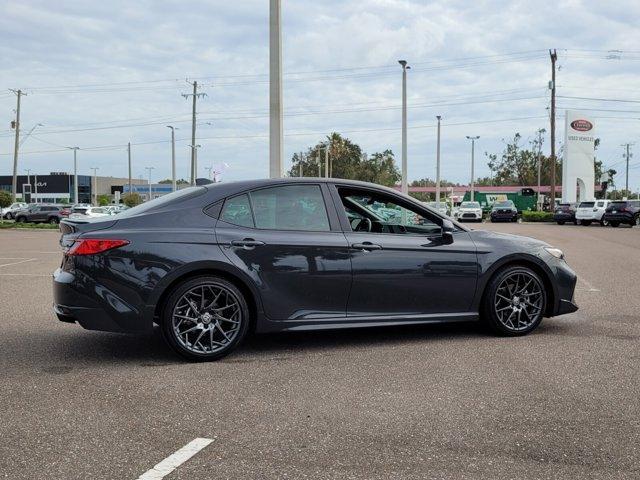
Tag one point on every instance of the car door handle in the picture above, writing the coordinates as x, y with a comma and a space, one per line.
247, 243
368, 246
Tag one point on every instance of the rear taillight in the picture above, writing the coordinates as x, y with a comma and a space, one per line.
92, 246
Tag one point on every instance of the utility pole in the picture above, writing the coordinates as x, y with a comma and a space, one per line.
149, 180
539, 202
319, 164
95, 184
627, 157
194, 165
404, 185
14, 184
75, 174
173, 157
438, 164
276, 139
129, 155
473, 148
300, 165
326, 161
554, 56
210, 169
194, 96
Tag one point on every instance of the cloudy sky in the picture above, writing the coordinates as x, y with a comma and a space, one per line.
101, 74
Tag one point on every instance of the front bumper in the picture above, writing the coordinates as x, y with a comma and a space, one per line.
565, 282
563, 217
510, 216
93, 306
618, 217
468, 216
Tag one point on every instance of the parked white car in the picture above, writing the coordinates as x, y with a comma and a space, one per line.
469, 211
10, 211
443, 208
91, 212
589, 212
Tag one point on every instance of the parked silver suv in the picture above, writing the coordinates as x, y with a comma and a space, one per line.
593, 211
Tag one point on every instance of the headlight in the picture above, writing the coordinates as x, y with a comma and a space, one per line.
556, 252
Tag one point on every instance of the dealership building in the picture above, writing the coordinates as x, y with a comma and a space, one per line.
57, 187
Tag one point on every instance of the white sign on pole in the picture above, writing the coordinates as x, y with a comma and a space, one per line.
579, 151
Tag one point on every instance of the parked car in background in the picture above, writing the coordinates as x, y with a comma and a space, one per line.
89, 212
10, 211
565, 212
469, 211
39, 213
589, 212
504, 211
623, 211
443, 208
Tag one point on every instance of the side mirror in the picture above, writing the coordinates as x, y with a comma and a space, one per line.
447, 231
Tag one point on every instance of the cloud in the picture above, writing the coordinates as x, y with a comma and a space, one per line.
341, 73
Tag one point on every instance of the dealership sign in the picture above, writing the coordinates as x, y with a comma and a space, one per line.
578, 175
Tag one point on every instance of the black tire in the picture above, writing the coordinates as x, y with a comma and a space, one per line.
603, 222
586, 223
614, 224
560, 223
54, 220
21, 219
9, 216
169, 332
489, 306
636, 221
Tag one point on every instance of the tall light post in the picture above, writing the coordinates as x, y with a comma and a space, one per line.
195, 148
75, 173
438, 164
473, 148
404, 185
276, 139
95, 184
149, 179
173, 157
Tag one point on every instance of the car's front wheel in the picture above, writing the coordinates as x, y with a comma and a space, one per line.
205, 318
604, 222
9, 216
514, 301
54, 220
21, 219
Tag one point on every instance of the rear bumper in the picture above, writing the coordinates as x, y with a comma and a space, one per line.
563, 217
618, 217
93, 306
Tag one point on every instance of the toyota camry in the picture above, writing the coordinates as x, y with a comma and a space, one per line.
209, 264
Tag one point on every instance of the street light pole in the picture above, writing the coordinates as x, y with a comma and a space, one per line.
473, 147
276, 139
173, 157
438, 164
149, 180
95, 184
404, 184
75, 174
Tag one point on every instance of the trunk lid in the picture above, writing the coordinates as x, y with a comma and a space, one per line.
72, 228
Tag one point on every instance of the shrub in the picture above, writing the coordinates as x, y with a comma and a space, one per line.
530, 216
132, 199
5, 199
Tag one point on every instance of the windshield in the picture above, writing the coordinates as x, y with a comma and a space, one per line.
469, 205
505, 204
160, 201
586, 204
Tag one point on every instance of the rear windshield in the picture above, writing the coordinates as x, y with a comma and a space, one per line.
586, 204
176, 196
618, 204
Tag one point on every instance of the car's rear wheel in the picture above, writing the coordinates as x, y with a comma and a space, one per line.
514, 302
54, 220
21, 219
560, 223
9, 216
604, 222
636, 221
205, 318
586, 223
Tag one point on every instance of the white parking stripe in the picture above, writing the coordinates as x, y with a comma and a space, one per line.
169, 464
17, 263
590, 288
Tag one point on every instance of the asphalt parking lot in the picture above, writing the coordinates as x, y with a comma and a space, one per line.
418, 402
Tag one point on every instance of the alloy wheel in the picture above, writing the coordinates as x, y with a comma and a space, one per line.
206, 318
519, 301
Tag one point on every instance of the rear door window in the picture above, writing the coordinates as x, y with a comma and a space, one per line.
586, 204
237, 211
290, 207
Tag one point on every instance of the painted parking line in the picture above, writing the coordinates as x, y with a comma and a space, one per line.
590, 288
24, 260
173, 461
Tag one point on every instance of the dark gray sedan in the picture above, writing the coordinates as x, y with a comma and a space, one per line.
209, 264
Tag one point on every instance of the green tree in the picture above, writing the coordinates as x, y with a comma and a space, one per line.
346, 160
5, 199
131, 199
104, 200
